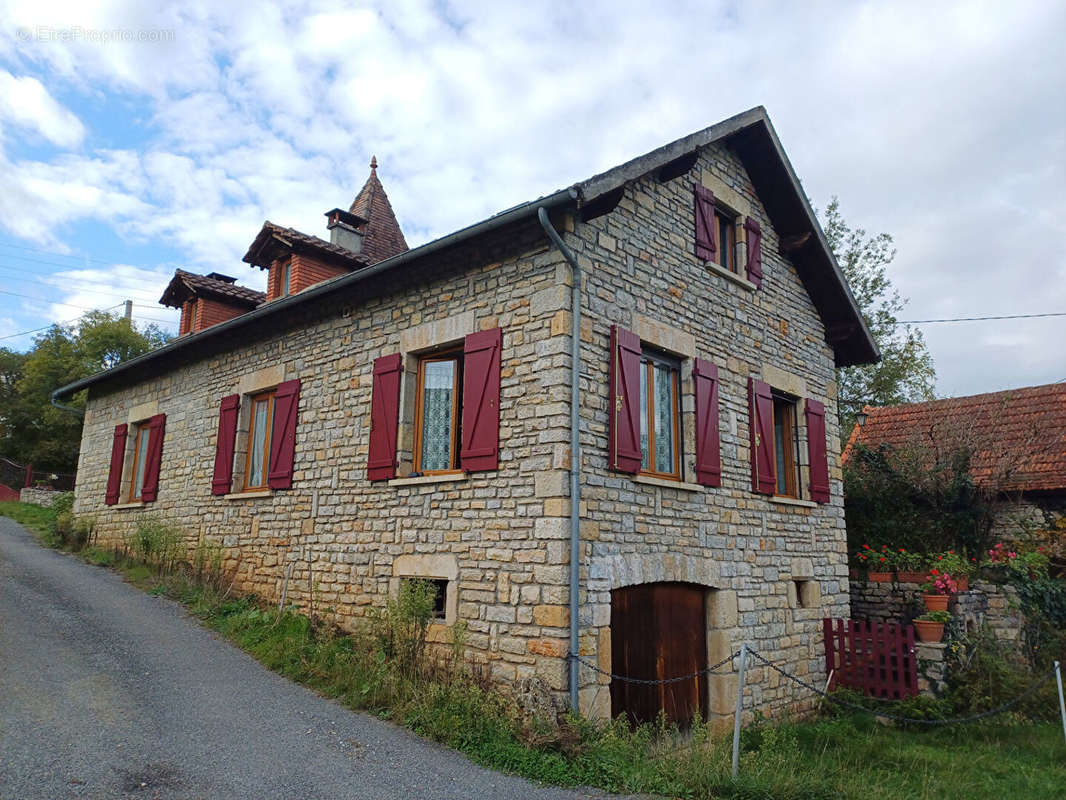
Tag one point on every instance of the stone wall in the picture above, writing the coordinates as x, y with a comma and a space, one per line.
990, 605
772, 569
39, 497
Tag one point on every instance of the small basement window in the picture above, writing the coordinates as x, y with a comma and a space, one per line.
807, 595
440, 595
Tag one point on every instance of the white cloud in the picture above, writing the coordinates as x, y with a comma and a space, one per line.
25, 102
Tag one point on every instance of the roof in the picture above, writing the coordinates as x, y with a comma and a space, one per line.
382, 236
273, 241
1018, 435
188, 284
749, 133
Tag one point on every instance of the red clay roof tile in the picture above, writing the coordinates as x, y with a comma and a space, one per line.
1018, 435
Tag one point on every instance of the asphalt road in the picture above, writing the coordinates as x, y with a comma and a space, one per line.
107, 692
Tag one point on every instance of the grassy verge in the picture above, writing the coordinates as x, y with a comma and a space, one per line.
39, 519
382, 668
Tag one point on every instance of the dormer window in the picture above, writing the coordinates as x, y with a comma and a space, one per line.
286, 279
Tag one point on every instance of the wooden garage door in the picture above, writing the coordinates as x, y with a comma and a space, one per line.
659, 631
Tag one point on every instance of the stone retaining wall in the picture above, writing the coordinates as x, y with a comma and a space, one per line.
39, 497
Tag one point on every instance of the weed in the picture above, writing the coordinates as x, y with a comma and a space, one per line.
156, 543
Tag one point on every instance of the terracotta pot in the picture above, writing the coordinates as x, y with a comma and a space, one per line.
935, 602
929, 631
963, 583
911, 577
879, 577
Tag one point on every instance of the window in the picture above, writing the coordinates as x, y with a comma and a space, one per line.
260, 425
140, 462
727, 239
659, 417
805, 594
192, 316
786, 445
286, 278
437, 399
439, 589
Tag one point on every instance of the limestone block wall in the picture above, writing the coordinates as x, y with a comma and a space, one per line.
990, 605
758, 557
39, 497
498, 535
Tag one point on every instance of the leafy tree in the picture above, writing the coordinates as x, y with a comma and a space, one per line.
905, 373
31, 429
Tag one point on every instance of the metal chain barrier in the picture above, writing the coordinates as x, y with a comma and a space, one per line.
897, 718
652, 682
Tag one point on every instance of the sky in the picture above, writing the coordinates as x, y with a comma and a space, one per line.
137, 139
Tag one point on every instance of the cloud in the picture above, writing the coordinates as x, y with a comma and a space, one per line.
945, 135
25, 102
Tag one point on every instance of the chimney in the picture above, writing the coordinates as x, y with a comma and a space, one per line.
345, 229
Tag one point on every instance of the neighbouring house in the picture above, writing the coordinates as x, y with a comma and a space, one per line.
1017, 445
388, 413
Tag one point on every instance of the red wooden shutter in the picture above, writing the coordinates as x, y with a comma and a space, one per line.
283, 435
708, 452
384, 417
114, 474
754, 267
706, 232
481, 401
623, 445
154, 457
819, 460
761, 426
227, 437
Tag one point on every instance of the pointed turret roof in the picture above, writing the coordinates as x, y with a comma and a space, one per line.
383, 238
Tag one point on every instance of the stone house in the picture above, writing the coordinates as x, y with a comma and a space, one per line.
387, 413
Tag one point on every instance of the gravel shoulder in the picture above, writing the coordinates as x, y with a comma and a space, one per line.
108, 692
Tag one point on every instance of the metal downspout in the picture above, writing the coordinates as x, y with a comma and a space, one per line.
575, 448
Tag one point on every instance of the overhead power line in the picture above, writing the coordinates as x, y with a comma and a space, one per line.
980, 319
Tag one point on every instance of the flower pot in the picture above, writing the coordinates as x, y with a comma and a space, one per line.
929, 631
963, 583
911, 577
879, 577
935, 602
853, 574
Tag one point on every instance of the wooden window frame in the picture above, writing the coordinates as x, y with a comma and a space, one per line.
790, 434
285, 279
257, 398
648, 361
455, 355
727, 246
135, 490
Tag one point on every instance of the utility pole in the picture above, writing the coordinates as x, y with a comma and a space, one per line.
128, 314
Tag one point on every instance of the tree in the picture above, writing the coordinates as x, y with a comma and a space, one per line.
31, 429
905, 373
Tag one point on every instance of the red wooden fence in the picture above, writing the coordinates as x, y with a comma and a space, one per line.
875, 658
